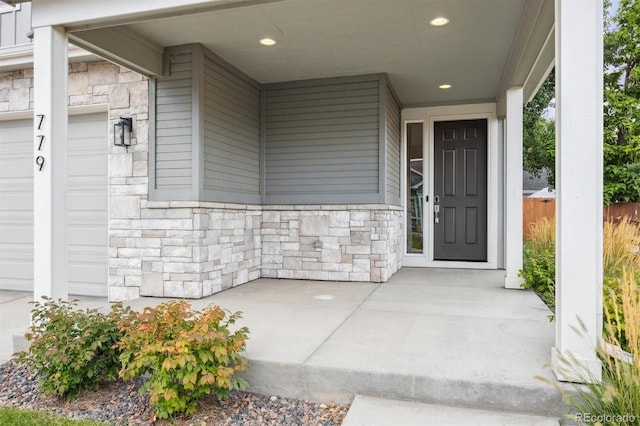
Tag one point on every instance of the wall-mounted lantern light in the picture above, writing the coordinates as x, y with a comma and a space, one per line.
122, 132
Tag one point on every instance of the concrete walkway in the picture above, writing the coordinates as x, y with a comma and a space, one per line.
370, 411
447, 337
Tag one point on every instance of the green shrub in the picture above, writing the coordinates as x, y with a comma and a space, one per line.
539, 261
187, 354
539, 272
620, 250
71, 349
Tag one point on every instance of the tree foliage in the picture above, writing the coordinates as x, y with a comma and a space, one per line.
539, 140
621, 106
621, 110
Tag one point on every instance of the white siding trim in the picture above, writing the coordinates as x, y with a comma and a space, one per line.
513, 188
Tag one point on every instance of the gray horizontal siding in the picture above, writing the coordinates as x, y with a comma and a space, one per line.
322, 141
174, 125
220, 136
206, 130
15, 25
392, 140
231, 134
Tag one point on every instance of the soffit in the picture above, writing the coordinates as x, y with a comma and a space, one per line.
329, 38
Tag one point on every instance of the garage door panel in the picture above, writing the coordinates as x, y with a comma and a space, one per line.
87, 126
19, 252
16, 284
86, 205
16, 203
16, 182
88, 254
9, 220
87, 167
85, 273
13, 169
19, 267
87, 202
15, 148
17, 185
12, 236
86, 183
15, 132
83, 239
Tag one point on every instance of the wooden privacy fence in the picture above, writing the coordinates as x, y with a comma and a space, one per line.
534, 209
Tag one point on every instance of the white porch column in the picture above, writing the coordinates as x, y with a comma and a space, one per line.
513, 189
50, 62
579, 102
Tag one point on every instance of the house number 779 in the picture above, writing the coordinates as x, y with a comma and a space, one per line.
40, 159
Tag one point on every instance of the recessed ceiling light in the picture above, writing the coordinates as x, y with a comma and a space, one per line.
267, 41
439, 21
445, 86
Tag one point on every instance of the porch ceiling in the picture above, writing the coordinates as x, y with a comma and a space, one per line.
478, 52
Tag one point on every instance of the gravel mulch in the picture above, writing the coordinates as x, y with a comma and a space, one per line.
120, 403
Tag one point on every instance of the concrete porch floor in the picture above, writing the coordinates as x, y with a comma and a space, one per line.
452, 337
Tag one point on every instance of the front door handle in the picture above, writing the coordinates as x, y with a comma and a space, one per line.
436, 211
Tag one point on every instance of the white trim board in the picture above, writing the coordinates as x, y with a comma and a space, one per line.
72, 110
20, 56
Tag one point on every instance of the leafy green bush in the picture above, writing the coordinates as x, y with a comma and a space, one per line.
187, 354
71, 349
539, 272
539, 261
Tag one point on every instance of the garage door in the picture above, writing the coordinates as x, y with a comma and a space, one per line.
86, 205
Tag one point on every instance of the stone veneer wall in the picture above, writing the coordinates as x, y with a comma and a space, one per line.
336, 242
192, 249
195, 249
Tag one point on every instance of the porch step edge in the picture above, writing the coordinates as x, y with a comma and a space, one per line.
324, 384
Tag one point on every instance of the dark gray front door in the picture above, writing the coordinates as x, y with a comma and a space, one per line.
460, 184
